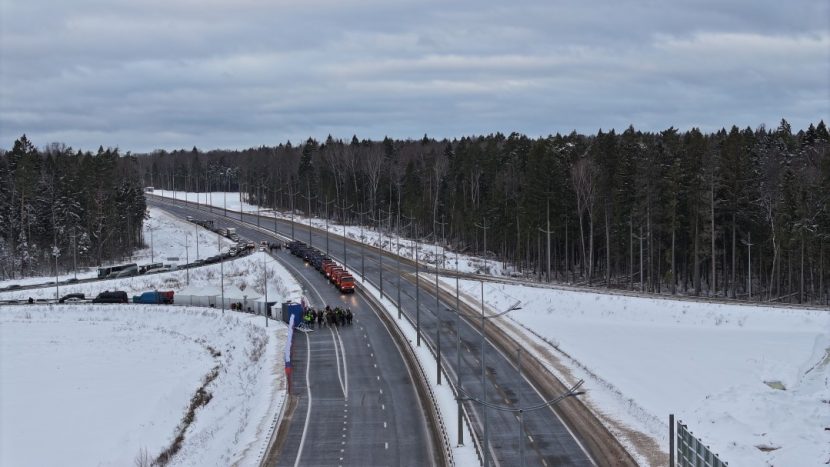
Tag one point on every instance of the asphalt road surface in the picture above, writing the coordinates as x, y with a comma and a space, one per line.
546, 440
356, 402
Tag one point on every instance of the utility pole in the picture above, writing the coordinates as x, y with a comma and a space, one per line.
221, 270
548, 232
327, 202
343, 215
483, 226
308, 198
74, 254
187, 259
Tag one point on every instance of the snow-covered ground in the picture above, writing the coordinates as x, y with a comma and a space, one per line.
245, 273
644, 358
98, 385
84, 384
166, 237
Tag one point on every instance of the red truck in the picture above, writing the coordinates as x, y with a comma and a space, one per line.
345, 283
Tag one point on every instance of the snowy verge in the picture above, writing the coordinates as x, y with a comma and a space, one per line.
98, 385
643, 358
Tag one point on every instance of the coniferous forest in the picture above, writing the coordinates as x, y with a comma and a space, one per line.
739, 213
86, 208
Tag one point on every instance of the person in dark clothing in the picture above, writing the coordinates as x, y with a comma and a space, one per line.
319, 318
349, 316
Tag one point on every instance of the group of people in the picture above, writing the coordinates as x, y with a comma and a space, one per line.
330, 316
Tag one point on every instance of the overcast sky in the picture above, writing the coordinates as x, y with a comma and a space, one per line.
149, 74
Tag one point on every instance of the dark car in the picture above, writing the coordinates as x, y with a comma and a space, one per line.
71, 280
72, 297
116, 296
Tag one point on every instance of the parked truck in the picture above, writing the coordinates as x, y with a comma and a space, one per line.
155, 297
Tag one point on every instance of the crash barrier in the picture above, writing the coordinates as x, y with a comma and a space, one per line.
686, 450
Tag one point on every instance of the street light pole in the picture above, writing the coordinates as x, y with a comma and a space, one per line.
458, 352
265, 286
438, 328
221, 270
362, 246
343, 215
187, 259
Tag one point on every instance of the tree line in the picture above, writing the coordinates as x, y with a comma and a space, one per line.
60, 208
737, 213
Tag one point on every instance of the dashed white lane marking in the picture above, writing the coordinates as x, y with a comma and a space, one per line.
544, 462
530, 438
382, 406
386, 445
384, 424
381, 391
372, 354
308, 389
375, 365
378, 377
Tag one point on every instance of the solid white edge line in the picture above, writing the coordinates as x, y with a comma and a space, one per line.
308, 412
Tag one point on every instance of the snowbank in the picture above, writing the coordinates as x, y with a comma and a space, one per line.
96, 385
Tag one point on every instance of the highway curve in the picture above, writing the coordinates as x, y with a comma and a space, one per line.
353, 400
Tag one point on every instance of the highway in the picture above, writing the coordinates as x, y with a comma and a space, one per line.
547, 440
355, 402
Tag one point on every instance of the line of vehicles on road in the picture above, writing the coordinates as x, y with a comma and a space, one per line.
334, 272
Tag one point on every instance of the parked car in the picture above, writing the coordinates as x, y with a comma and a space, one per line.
115, 296
155, 296
73, 297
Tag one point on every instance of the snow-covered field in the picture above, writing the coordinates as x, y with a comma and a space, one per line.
98, 385
84, 384
644, 358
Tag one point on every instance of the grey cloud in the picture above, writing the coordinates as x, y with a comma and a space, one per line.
178, 73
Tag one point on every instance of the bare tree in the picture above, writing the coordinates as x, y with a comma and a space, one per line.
582, 177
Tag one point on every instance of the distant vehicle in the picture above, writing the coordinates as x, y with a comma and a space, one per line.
222, 231
73, 297
112, 271
115, 296
12, 286
143, 269
155, 296
126, 272
71, 280
158, 269
189, 218
231, 231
